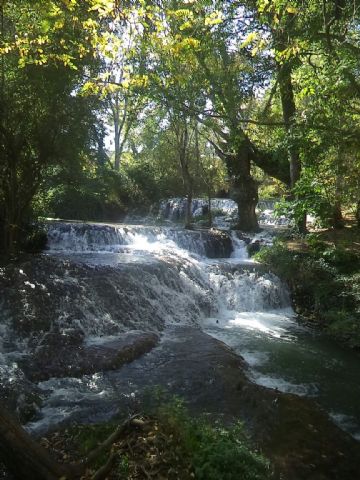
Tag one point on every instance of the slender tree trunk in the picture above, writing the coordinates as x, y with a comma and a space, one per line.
117, 145
189, 194
210, 220
118, 130
357, 213
188, 218
11, 206
289, 112
183, 144
337, 217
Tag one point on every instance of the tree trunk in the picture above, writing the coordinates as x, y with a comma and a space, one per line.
11, 207
24, 458
210, 220
243, 188
117, 145
337, 220
183, 145
337, 217
289, 112
27, 460
357, 213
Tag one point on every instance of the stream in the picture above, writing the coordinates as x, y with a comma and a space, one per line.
103, 280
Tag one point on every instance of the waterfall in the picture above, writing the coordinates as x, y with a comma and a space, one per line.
224, 211
90, 237
107, 279
98, 282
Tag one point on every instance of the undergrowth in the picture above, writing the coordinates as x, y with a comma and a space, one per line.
215, 452
174, 445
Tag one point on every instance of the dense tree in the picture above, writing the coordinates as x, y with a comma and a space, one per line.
41, 111
264, 84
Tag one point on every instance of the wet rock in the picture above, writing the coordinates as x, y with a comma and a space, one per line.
64, 356
253, 247
19, 395
217, 244
68, 338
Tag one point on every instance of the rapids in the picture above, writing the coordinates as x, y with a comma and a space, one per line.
97, 281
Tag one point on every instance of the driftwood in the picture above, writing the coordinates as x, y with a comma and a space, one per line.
27, 460
106, 444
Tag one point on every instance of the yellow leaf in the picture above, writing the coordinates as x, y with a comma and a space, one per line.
214, 18
291, 9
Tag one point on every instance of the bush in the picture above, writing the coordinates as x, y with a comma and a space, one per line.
89, 195
344, 326
216, 452
321, 285
343, 260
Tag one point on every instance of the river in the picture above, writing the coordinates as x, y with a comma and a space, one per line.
104, 280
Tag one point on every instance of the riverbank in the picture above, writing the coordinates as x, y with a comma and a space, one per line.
322, 271
64, 311
298, 438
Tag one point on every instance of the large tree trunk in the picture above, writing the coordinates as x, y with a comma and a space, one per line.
243, 189
25, 458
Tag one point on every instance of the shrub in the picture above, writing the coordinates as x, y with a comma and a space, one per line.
216, 452
343, 260
321, 286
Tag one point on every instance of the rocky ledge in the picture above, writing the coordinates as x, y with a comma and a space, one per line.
64, 355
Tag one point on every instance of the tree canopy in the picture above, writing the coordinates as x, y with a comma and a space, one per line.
266, 85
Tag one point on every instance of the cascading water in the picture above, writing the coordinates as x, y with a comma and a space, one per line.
95, 238
98, 281
224, 211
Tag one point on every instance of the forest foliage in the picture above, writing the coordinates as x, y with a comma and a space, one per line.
197, 96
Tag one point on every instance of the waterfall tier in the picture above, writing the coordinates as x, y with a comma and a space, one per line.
92, 237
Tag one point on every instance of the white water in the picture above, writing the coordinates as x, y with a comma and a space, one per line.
163, 275
224, 211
